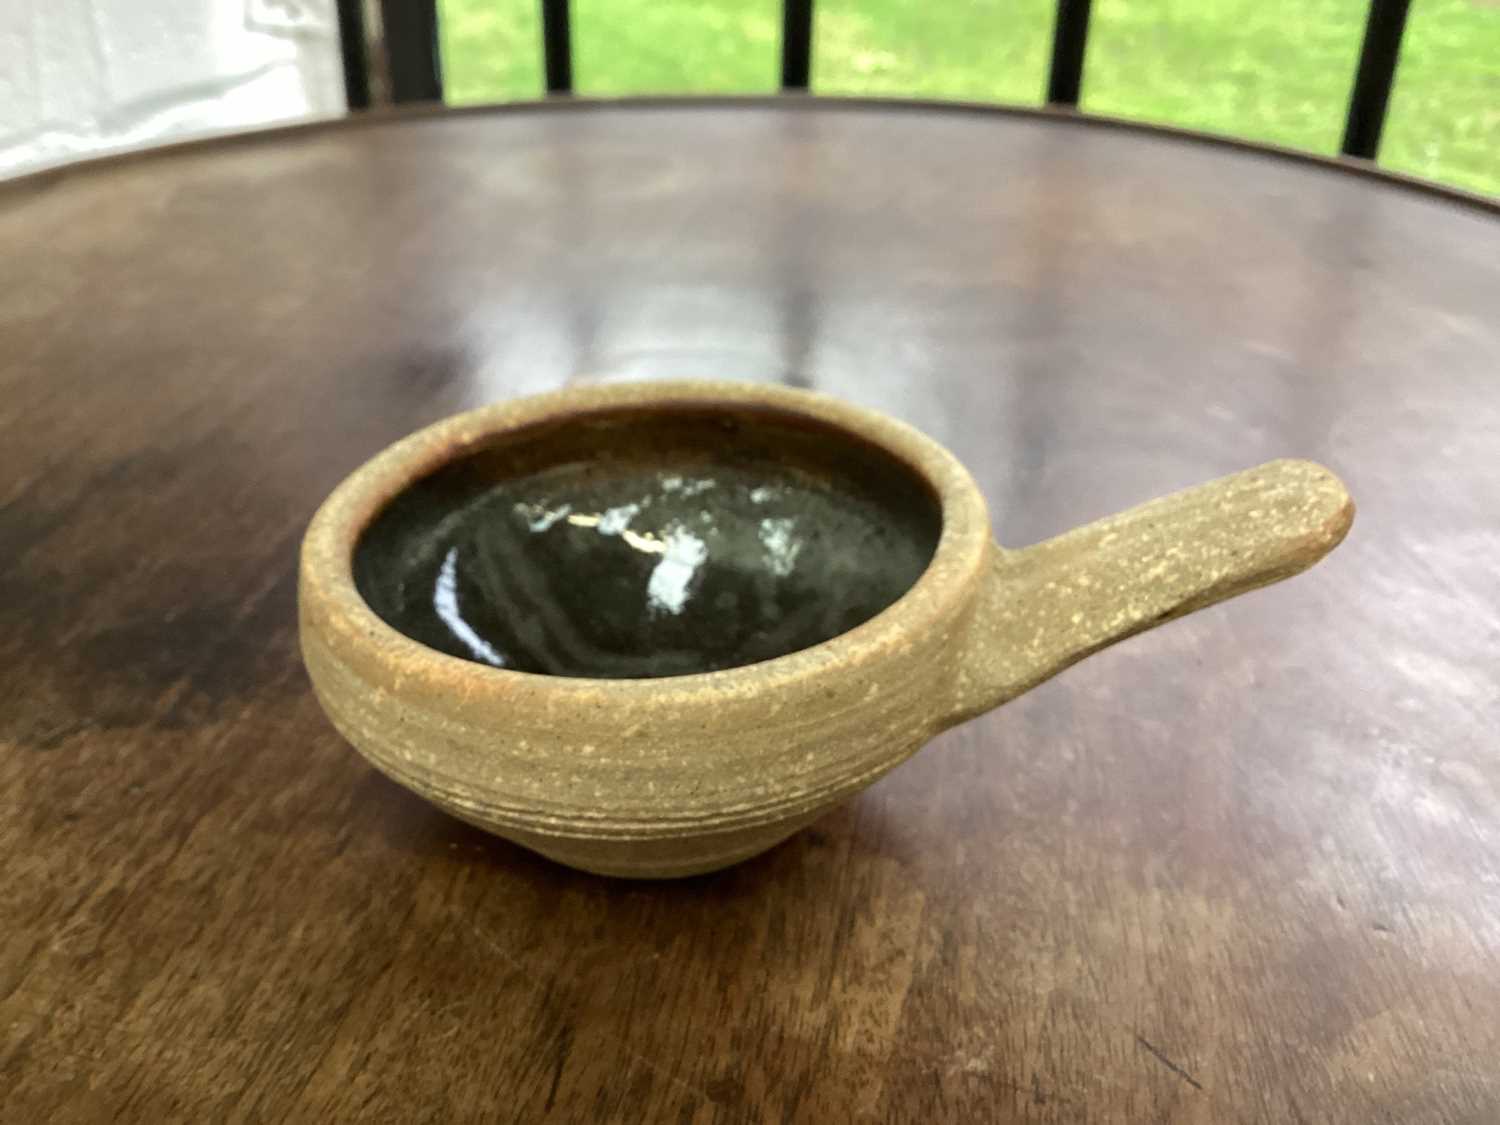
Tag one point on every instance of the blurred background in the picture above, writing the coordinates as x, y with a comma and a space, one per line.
85, 76
82, 77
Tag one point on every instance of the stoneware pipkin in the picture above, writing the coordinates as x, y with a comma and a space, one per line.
653, 629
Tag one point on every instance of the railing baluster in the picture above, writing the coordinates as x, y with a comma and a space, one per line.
557, 46
796, 44
1069, 40
409, 30
1372, 81
354, 50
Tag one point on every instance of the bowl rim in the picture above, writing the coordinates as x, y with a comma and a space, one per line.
938, 596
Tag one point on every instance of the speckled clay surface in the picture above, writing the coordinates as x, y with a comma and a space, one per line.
655, 777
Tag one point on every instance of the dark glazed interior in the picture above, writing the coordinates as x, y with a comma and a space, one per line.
627, 544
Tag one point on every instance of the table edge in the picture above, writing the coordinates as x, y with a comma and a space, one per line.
1369, 171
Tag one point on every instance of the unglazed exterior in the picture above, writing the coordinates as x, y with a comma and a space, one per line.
679, 775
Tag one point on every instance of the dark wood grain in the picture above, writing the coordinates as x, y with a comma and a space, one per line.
1243, 869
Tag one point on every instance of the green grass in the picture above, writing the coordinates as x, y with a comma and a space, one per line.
1271, 70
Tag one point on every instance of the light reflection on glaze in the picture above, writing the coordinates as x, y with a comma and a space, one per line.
445, 602
539, 518
781, 549
674, 483
667, 589
682, 552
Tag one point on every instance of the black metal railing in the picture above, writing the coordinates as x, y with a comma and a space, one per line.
796, 44
557, 47
355, 52
400, 62
1384, 27
1070, 36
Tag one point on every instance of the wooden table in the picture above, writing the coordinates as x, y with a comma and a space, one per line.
1243, 869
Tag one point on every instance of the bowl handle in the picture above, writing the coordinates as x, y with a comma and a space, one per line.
1046, 607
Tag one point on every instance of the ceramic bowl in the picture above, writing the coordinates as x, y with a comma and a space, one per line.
653, 629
